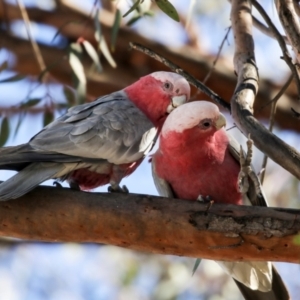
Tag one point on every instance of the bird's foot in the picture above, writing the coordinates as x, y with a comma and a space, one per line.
74, 186
204, 199
117, 189
207, 200
246, 171
57, 184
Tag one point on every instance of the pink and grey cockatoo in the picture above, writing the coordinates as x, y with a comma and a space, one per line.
196, 156
99, 142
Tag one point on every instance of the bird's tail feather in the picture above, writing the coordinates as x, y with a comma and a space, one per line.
27, 179
277, 292
255, 275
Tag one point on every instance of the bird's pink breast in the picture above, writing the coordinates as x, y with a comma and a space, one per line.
192, 172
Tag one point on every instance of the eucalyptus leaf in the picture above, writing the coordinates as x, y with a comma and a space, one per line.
3, 66
132, 8
48, 117
13, 78
4, 134
168, 8
115, 29
75, 62
196, 265
30, 102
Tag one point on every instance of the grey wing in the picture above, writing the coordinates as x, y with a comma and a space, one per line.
110, 128
163, 187
258, 200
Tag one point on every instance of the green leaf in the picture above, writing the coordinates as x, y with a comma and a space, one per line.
97, 26
13, 78
3, 66
115, 29
75, 63
196, 265
62, 26
93, 54
30, 102
4, 131
132, 8
133, 20
21, 117
48, 117
81, 92
69, 96
168, 9
296, 239
101, 42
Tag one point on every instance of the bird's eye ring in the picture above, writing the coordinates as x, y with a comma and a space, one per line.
168, 86
205, 124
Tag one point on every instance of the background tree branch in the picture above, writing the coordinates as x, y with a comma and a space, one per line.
154, 224
246, 90
188, 58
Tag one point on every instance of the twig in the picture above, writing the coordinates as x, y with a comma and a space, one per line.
280, 93
266, 30
218, 56
192, 80
272, 121
281, 42
34, 44
214, 62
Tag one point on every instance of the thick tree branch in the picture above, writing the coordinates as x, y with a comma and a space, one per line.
153, 224
247, 87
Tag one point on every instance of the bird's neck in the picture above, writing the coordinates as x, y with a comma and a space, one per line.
149, 99
192, 146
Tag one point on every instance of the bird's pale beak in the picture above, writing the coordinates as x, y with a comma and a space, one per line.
176, 101
220, 122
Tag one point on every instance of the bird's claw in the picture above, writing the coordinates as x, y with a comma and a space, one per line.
57, 184
117, 189
247, 171
204, 199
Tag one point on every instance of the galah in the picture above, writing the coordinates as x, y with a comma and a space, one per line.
99, 142
197, 157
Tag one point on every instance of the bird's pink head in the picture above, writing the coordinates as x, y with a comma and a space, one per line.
159, 93
199, 118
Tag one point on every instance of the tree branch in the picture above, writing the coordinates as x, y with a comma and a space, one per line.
175, 68
222, 81
247, 87
153, 224
290, 23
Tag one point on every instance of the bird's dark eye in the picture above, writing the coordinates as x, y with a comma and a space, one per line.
168, 86
205, 124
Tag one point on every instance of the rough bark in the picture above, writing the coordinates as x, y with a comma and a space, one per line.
154, 224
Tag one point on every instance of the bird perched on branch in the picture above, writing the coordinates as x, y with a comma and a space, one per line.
198, 159
99, 142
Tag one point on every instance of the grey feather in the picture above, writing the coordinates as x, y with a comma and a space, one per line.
100, 118
29, 178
